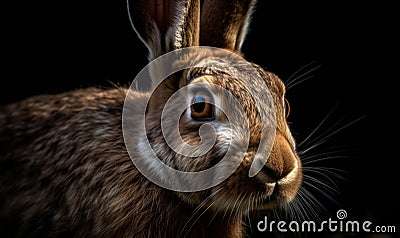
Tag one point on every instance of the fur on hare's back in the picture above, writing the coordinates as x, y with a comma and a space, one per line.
64, 170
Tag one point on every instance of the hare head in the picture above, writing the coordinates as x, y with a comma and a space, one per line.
208, 110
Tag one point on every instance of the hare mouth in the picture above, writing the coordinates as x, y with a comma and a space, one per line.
271, 198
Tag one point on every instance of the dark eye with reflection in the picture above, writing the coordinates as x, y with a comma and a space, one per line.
202, 108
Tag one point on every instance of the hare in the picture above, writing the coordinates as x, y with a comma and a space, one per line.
67, 170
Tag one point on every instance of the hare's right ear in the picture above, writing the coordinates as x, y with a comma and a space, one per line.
224, 23
165, 25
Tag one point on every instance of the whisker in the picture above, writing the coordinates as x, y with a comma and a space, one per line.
310, 148
288, 87
226, 210
328, 188
314, 205
129, 15
300, 207
296, 80
320, 137
234, 206
320, 191
324, 175
325, 138
289, 213
313, 161
288, 81
212, 219
256, 200
276, 214
198, 208
194, 222
298, 215
329, 170
288, 210
249, 205
323, 154
240, 211
215, 213
317, 128
205, 201
319, 182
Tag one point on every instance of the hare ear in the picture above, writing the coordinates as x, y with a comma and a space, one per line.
165, 25
224, 23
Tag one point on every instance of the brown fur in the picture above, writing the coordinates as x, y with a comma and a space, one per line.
230, 36
64, 166
71, 174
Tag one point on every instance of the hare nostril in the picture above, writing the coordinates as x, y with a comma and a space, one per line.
271, 175
286, 170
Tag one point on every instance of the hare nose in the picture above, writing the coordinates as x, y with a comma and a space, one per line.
280, 163
273, 174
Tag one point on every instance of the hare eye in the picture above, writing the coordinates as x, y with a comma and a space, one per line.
202, 108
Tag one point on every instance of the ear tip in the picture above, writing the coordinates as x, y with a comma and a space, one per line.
226, 30
166, 25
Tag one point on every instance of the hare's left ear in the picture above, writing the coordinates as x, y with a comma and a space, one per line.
224, 23
166, 25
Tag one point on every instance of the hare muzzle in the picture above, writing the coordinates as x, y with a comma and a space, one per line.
281, 174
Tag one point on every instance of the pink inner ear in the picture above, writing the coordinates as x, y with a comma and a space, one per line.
160, 12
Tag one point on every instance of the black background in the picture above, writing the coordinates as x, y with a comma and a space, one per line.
55, 46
